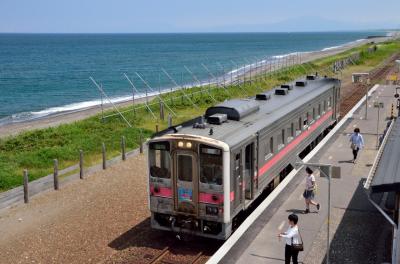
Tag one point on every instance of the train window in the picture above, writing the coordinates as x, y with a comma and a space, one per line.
291, 132
271, 145
313, 113
267, 150
185, 167
306, 120
281, 139
319, 110
324, 106
292, 129
300, 124
329, 102
160, 160
210, 165
237, 163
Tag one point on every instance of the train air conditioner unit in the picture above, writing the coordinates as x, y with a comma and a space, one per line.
280, 91
287, 86
217, 119
263, 96
235, 109
311, 77
301, 83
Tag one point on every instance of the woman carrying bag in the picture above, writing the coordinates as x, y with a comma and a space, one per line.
294, 242
309, 191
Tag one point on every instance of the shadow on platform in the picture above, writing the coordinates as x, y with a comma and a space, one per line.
363, 235
270, 258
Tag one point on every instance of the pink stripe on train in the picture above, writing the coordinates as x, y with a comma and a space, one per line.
161, 191
211, 198
280, 155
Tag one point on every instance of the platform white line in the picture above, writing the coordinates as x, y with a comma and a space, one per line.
224, 249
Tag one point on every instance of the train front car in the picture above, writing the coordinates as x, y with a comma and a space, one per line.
188, 176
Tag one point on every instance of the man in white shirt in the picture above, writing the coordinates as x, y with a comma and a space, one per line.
291, 237
357, 142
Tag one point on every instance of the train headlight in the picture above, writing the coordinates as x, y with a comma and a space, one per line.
189, 145
180, 144
211, 210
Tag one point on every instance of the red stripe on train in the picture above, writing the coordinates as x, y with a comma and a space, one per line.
293, 143
161, 192
211, 198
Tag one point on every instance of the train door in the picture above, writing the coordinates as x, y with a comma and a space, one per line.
248, 170
336, 102
186, 182
237, 177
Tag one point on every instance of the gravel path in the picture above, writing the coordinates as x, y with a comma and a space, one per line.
77, 223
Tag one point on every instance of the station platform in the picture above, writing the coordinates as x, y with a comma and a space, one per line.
359, 233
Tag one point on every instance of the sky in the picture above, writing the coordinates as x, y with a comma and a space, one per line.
131, 16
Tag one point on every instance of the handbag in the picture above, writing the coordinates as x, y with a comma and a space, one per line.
353, 146
299, 246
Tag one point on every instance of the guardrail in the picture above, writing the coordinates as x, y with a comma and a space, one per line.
378, 157
61, 177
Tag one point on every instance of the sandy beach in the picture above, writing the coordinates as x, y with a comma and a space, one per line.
69, 117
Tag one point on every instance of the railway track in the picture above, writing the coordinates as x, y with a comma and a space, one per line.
169, 256
376, 75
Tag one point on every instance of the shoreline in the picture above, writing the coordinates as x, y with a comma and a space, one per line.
52, 120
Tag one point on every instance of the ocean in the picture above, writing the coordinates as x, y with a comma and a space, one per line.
44, 74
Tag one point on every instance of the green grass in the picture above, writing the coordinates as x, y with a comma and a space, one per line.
36, 149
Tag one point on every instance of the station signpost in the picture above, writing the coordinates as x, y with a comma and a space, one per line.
362, 78
378, 105
329, 171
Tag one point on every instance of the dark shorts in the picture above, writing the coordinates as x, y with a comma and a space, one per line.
309, 195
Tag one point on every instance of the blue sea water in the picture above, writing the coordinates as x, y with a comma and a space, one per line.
42, 74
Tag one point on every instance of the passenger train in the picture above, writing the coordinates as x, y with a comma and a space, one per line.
203, 173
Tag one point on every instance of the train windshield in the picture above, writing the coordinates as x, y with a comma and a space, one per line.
160, 160
185, 168
210, 165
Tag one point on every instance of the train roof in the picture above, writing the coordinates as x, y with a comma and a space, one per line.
245, 117
387, 174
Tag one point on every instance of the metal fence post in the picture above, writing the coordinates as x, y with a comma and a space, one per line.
55, 174
141, 143
161, 110
123, 148
81, 164
169, 120
26, 191
103, 150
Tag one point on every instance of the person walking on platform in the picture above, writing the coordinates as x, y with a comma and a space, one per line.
357, 142
309, 191
293, 240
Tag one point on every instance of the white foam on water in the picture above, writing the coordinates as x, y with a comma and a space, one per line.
331, 48
285, 55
